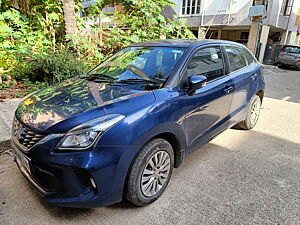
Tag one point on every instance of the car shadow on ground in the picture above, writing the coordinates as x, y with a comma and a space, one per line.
59, 211
288, 68
252, 175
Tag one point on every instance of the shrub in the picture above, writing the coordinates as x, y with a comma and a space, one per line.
49, 67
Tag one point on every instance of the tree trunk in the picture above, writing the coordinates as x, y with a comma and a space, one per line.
69, 17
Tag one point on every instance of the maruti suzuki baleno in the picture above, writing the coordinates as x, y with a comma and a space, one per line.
118, 131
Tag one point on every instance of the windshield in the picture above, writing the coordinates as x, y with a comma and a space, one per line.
291, 49
149, 64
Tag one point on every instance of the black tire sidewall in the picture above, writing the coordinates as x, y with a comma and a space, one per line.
248, 118
134, 193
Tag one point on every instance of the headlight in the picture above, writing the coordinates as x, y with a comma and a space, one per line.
85, 135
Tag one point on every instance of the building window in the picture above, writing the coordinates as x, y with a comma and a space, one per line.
287, 6
190, 7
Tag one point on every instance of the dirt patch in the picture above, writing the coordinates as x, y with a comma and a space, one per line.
17, 90
5, 146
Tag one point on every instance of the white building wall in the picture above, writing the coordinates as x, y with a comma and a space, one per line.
236, 13
177, 6
276, 19
217, 12
215, 7
218, 7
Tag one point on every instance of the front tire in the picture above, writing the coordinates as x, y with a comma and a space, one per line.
252, 115
150, 172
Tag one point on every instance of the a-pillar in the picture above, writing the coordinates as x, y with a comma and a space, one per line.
201, 33
253, 36
263, 41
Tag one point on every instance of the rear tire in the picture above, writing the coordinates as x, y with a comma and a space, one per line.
252, 115
150, 172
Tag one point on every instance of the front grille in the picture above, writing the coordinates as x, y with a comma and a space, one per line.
25, 136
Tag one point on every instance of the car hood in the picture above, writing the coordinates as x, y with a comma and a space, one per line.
63, 106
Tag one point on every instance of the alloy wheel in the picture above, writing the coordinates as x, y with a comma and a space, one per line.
155, 173
255, 112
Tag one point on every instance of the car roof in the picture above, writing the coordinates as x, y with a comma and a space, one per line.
298, 46
182, 43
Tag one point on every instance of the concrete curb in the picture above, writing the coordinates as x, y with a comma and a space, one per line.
7, 110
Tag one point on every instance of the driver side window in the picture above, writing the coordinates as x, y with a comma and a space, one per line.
207, 62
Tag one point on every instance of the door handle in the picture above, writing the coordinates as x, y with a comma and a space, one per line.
253, 77
228, 89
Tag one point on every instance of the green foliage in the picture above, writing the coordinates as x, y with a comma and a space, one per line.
49, 67
28, 44
137, 21
17, 37
8, 85
34, 48
140, 21
87, 48
33, 86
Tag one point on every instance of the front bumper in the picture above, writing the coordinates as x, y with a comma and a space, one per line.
85, 200
65, 179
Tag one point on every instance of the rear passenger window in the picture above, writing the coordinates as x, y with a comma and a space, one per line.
207, 62
249, 57
236, 58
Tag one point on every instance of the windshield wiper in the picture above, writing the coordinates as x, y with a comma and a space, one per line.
103, 78
99, 77
103, 81
132, 81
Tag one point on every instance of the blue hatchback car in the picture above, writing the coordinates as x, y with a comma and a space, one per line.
119, 130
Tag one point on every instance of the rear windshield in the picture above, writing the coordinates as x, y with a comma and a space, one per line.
291, 49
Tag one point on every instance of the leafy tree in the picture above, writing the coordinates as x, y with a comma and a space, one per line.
35, 34
138, 21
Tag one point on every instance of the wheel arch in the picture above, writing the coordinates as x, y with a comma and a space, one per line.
173, 139
177, 147
260, 94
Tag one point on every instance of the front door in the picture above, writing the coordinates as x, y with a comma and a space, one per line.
207, 110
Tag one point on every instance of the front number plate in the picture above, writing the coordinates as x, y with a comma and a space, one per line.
21, 158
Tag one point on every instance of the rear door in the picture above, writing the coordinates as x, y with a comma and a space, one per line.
245, 75
207, 110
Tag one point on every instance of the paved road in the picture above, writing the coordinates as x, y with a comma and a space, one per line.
241, 177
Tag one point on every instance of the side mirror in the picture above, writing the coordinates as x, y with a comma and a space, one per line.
196, 82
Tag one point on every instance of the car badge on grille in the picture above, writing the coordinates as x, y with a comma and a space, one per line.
20, 134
